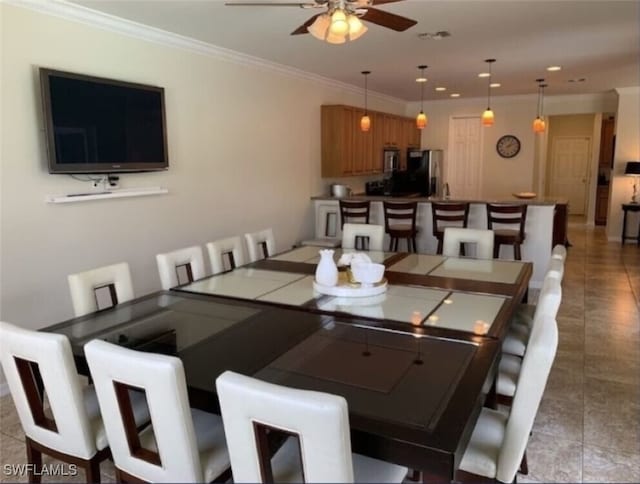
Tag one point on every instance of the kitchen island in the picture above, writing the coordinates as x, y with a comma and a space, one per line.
545, 227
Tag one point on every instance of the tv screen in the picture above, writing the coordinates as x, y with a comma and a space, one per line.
96, 125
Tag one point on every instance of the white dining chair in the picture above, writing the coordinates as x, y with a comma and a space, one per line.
180, 444
261, 244
499, 440
559, 252
180, 266
373, 233
516, 344
100, 288
232, 248
454, 236
320, 421
71, 428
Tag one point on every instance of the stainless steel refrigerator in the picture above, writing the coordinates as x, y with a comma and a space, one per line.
424, 171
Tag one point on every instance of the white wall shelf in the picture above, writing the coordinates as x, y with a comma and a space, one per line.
120, 193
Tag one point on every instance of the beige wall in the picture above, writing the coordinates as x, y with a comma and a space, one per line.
627, 149
244, 149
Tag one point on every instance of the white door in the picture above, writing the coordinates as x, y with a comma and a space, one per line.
464, 163
570, 157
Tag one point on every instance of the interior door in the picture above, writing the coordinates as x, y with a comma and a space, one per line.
570, 157
463, 167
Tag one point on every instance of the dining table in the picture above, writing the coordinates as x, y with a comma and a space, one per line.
416, 364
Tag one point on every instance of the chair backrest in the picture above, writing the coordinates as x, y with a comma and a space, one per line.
88, 288
559, 252
452, 214
556, 267
232, 247
351, 209
32, 358
180, 266
550, 297
116, 370
507, 215
260, 245
536, 366
399, 213
320, 420
375, 234
454, 236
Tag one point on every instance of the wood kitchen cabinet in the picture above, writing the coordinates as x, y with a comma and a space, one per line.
348, 151
607, 142
602, 204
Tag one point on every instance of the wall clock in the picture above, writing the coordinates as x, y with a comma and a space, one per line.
508, 146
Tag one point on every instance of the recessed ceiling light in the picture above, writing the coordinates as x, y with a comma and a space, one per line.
454, 94
554, 68
439, 88
484, 74
495, 84
421, 79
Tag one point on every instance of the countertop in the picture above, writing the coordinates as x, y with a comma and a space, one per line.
380, 198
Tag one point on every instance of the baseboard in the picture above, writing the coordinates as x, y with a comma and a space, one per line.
614, 239
4, 389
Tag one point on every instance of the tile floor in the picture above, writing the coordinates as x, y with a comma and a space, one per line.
588, 425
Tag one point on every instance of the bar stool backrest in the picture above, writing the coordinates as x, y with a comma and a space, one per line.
356, 211
501, 215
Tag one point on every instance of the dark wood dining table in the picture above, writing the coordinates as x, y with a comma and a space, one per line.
414, 390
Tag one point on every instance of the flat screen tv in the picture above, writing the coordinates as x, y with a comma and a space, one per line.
96, 125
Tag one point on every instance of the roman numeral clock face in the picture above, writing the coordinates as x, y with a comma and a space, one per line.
508, 146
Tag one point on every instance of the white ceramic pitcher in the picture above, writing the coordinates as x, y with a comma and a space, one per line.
327, 271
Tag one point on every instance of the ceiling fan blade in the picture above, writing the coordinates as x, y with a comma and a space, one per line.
382, 2
276, 4
389, 20
303, 28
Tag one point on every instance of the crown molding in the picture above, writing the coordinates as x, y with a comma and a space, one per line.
93, 18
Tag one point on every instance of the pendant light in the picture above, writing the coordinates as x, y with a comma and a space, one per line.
487, 116
538, 124
421, 119
365, 121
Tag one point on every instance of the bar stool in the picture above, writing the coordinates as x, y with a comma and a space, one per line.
400, 223
502, 215
453, 214
355, 211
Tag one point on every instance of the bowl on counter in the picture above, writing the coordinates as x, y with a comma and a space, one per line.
525, 195
340, 191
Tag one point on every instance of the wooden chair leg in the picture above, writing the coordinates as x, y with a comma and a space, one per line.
462, 253
34, 457
390, 244
92, 470
516, 252
439, 249
496, 251
415, 245
524, 466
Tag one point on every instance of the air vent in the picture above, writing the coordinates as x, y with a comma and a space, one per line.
442, 34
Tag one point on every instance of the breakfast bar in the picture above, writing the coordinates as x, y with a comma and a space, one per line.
545, 225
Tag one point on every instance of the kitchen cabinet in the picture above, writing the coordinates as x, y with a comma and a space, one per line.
602, 204
607, 142
348, 151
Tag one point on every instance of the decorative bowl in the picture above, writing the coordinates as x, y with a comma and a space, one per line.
367, 273
525, 195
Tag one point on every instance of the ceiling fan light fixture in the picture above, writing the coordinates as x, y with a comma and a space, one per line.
332, 38
356, 28
339, 24
320, 26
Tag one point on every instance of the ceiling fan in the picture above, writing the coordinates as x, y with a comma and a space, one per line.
341, 18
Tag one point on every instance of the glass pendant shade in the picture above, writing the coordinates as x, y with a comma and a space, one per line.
421, 120
365, 123
339, 24
319, 28
539, 125
487, 117
332, 38
356, 28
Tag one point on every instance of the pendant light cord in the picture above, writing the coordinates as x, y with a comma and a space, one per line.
489, 89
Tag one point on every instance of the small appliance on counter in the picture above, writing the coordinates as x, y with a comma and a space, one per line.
340, 191
378, 187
